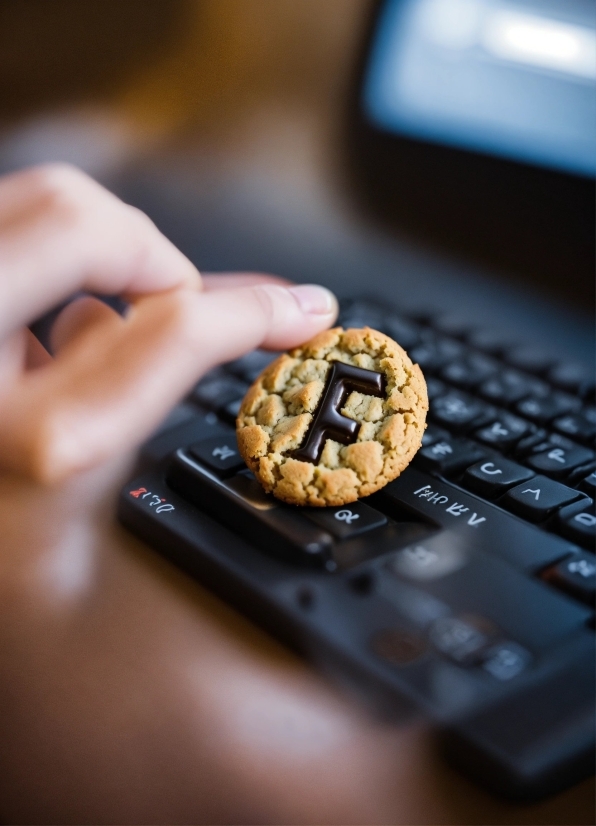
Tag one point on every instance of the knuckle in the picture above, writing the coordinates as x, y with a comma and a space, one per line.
58, 178
142, 235
143, 220
50, 459
57, 189
64, 194
153, 252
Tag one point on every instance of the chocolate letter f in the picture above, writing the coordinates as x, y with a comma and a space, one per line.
328, 422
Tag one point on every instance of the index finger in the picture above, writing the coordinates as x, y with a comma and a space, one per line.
61, 232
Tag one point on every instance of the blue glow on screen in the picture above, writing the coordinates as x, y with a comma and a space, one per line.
514, 79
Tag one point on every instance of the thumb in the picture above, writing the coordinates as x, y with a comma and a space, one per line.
265, 315
113, 382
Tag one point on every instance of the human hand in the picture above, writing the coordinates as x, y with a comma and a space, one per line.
127, 693
114, 379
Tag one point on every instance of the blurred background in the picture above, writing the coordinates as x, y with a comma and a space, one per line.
258, 135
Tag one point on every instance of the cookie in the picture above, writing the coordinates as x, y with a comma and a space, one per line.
335, 419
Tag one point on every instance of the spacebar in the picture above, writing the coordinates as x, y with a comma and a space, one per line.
241, 505
480, 522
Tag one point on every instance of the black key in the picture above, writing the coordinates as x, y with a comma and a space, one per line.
219, 453
461, 639
506, 431
479, 523
491, 341
241, 504
218, 391
180, 414
557, 462
491, 478
505, 660
588, 485
572, 377
449, 456
459, 412
576, 425
469, 371
577, 476
428, 561
530, 358
348, 520
434, 388
250, 366
576, 575
398, 646
200, 426
434, 434
559, 441
509, 386
536, 499
538, 440
406, 333
578, 523
452, 324
231, 410
492, 592
361, 314
433, 352
542, 410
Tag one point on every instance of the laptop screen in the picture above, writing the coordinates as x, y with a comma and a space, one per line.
513, 79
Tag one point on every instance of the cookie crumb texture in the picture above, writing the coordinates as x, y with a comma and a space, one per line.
279, 407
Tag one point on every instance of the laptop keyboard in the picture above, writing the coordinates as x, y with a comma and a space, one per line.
517, 439
484, 546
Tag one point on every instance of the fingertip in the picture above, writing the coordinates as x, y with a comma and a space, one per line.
315, 300
295, 314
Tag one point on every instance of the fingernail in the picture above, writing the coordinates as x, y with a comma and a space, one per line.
314, 300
